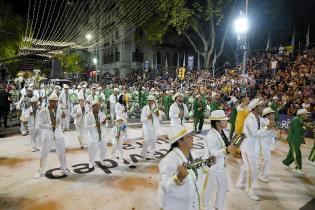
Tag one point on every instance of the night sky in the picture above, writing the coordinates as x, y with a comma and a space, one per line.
289, 14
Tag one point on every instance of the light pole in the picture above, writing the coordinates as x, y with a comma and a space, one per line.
95, 63
241, 27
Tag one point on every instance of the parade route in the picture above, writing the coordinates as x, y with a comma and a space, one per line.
132, 185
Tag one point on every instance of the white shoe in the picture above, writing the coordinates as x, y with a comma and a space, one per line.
91, 165
263, 179
240, 185
299, 171
34, 150
66, 172
38, 175
311, 163
253, 196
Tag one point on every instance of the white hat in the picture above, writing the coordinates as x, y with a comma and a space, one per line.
302, 111
254, 103
79, 86
53, 97
84, 86
93, 87
151, 98
65, 86
180, 134
267, 111
214, 94
34, 99
116, 89
94, 103
176, 95
100, 88
218, 115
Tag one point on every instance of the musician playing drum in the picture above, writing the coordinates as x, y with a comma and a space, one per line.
179, 188
217, 144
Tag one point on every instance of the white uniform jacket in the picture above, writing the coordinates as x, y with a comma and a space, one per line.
78, 110
214, 145
268, 139
64, 101
150, 125
90, 125
112, 100
252, 134
33, 122
177, 197
174, 115
120, 111
46, 126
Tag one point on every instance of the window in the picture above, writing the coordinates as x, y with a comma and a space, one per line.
137, 56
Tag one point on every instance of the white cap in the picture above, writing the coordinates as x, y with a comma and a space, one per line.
254, 103
151, 98
116, 89
100, 88
79, 86
176, 95
84, 86
267, 110
34, 99
182, 132
218, 115
65, 86
53, 97
94, 103
302, 111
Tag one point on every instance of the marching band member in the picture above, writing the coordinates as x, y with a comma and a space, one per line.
179, 187
118, 137
31, 114
295, 139
178, 111
218, 145
121, 109
50, 125
253, 130
264, 145
83, 92
95, 122
93, 96
150, 117
65, 103
24, 104
78, 113
113, 99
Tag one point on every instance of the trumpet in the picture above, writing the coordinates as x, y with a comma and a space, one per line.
199, 162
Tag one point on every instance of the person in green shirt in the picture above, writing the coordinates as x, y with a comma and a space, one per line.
233, 115
295, 139
166, 103
215, 105
275, 107
199, 109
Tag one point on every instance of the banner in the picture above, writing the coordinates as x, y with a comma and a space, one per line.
190, 62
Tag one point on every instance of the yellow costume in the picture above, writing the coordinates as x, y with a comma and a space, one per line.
242, 113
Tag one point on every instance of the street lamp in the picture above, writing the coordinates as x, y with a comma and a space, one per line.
241, 27
88, 36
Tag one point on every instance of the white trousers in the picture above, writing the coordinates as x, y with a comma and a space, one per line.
60, 148
149, 140
118, 148
65, 122
97, 146
24, 128
263, 158
249, 171
112, 112
80, 131
35, 138
215, 177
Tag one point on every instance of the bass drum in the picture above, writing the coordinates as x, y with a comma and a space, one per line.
73, 97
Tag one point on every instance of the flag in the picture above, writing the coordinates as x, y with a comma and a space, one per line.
293, 40
308, 37
184, 64
268, 43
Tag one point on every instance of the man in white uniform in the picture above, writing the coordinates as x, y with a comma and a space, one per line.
150, 117
113, 99
50, 125
179, 187
31, 114
178, 112
65, 103
95, 122
78, 113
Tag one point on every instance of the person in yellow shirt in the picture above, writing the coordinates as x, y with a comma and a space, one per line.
242, 112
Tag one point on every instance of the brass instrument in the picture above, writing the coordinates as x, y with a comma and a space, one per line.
237, 140
199, 162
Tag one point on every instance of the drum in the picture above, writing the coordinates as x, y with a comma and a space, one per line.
73, 97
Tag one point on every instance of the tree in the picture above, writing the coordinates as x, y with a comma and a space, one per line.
11, 31
71, 63
199, 21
